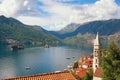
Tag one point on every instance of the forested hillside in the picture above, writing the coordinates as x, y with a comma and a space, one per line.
13, 29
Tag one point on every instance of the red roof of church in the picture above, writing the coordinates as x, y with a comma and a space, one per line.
47, 76
98, 72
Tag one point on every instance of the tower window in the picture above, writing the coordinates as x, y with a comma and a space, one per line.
96, 60
96, 66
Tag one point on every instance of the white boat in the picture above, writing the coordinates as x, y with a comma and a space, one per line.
27, 68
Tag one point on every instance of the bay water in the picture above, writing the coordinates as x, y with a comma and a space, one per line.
38, 60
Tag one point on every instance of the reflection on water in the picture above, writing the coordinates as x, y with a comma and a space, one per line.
39, 60
7, 67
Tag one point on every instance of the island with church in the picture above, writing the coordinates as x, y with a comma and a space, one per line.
87, 67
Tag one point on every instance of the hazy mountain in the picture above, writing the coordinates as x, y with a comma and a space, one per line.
11, 28
106, 27
86, 40
69, 28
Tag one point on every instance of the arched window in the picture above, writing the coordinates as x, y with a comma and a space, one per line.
96, 66
96, 60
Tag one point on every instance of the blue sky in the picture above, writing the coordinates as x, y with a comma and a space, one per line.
56, 14
79, 1
118, 2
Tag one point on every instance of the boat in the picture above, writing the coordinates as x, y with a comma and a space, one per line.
70, 67
68, 58
73, 57
57, 71
27, 68
46, 46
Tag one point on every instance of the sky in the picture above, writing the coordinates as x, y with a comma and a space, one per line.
56, 14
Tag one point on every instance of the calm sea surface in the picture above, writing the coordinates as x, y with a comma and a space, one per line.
40, 60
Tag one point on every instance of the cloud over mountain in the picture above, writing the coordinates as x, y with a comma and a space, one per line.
56, 14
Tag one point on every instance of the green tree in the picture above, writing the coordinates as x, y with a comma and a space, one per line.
111, 62
75, 65
89, 75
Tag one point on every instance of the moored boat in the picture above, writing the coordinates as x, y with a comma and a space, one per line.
27, 68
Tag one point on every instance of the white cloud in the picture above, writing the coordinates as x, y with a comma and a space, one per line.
8, 8
57, 14
15, 8
25, 3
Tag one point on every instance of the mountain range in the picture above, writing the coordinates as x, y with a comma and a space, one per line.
11, 28
106, 27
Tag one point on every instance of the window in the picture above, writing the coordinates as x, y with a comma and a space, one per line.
96, 66
90, 65
96, 60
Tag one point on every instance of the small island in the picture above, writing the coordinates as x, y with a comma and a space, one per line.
16, 47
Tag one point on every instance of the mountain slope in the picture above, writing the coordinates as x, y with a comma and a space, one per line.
69, 28
86, 40
13, 29
106, 27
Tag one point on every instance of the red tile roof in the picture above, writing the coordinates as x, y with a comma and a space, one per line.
82, 72
83, 56
89, 61
47, 76
80, 63
98, 72
79, 69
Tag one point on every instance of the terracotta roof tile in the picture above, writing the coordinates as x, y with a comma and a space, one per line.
83, 56
98, 72
89, 61
47, 76
79, 69
82, 72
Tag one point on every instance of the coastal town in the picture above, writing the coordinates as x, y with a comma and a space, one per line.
59, 39
85, 65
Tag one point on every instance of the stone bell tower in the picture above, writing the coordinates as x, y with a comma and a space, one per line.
96, 53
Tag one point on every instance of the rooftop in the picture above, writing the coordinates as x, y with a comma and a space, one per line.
98, 72
96, 41
83, 56
47, 76
82, 72
89, 61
